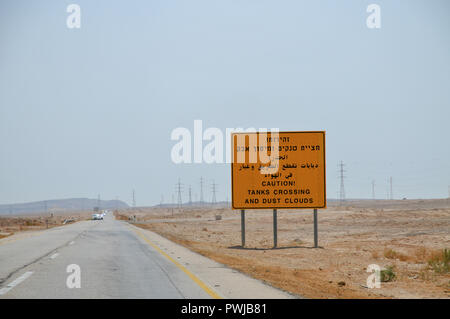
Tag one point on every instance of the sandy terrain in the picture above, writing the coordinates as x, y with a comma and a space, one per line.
10, 225
407, 235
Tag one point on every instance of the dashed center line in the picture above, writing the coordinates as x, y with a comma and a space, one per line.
54, 256
15, 282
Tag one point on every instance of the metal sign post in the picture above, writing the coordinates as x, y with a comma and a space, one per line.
275, 228
243, 227
316, 238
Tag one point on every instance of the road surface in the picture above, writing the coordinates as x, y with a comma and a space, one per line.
115, 260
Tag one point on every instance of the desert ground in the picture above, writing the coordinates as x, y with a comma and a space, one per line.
10, 225
406, 238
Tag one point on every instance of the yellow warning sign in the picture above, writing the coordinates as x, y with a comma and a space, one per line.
278, 170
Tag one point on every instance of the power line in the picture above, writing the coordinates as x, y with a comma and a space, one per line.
179, 188
190, 195
214, 190
391, 193
201, 190
173, 203
388, 195
373, 189
227, 199
342, 189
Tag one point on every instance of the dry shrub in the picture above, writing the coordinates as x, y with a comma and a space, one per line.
120, 216
297, 241
403, 257
439, 261
421, 254
392, 254
388, 274
5, 235
425, 275
375, 254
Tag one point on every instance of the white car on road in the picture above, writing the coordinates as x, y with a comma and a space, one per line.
97, 216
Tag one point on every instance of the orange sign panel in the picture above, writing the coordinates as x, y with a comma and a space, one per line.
278, 170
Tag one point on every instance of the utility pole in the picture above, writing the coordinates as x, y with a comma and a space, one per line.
373, 189
201, 190
98, 202
387, 191
179, 188
134, 200
214, 190
162, 201
190, 195
391, 193
173, 203
342, 189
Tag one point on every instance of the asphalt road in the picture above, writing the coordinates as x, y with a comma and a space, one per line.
115, 260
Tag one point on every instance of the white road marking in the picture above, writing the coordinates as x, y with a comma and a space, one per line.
15, 282
71, 243
54, 256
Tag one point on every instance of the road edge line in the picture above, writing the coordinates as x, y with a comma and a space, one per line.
200, 283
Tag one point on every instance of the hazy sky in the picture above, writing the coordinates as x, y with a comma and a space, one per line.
90, 111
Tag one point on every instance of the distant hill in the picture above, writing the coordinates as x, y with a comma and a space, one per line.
60, 205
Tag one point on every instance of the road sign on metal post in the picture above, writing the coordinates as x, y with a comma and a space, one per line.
273, 170
282, 170
316, 237
275, 235
243, 227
